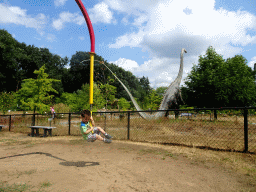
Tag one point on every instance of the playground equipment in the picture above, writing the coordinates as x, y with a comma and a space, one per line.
92, 38
169, 93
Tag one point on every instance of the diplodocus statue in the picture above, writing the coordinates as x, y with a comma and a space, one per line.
168, 95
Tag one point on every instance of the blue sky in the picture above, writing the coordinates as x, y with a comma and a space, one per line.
142, 36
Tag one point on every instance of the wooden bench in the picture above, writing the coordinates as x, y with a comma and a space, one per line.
46, 129
1, 126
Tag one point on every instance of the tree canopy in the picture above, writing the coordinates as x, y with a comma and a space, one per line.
216, 82
35, 93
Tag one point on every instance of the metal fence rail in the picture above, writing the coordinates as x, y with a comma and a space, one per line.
232, 129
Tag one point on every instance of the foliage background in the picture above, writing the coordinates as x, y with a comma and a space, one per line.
214, 82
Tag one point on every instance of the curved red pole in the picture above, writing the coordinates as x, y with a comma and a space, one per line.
89, 24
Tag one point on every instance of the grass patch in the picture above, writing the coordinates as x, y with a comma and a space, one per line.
239, 162
46, 184
12, 142
170, 155
147, 151
9, 141
224, 133
4, 187
26, 172
30, 145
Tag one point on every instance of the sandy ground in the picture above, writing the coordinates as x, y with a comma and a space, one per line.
68, 164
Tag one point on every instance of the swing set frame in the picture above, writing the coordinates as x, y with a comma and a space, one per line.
92, 53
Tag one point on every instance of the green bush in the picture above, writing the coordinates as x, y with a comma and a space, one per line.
123, 104
61, 108
6, 101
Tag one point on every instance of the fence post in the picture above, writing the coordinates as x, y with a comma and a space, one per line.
128, 126
215, 114
69, 120
245, 130
33, 119
105, 121
10, 122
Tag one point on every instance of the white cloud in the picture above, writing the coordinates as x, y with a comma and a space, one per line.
252, 62
125, 20
67, 17
131, 40
59, 2
132, 7
101, 13
137, 11
164, 27
140, 20
126, 64
171, 25
37, 38
160, 71
46, 46
18, 16
51, 38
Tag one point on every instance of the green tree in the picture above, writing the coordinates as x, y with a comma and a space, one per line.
123, 104
145, 88
83, 96
240, 88
108, 91
215, 82
6, 101
34, 94
68, 99
79, 100
161, 90
18, 62
153, 100
61, 108
79, 72
9, 52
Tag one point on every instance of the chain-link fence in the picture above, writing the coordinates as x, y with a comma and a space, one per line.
231, 129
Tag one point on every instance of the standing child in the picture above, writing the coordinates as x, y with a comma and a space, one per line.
92, 133
52, 112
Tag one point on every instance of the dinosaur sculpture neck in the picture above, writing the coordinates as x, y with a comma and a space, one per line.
169, 93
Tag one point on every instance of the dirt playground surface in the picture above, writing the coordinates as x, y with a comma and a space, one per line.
72, 164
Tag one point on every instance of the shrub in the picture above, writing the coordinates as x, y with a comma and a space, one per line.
61, 108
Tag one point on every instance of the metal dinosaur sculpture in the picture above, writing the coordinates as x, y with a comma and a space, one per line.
169, 94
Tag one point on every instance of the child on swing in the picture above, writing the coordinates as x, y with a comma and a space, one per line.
92, 134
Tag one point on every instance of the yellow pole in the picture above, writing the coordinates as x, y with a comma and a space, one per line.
91, 81
91, 78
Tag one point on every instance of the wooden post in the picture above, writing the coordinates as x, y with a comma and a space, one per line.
69, 122
10, 122
105, 121
128, 126
215, 114
245, 130
34, 119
